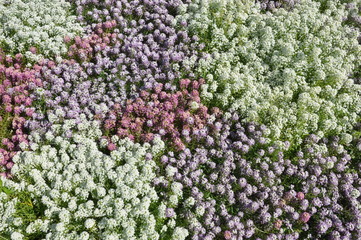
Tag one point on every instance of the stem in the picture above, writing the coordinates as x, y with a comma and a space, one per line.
260, 230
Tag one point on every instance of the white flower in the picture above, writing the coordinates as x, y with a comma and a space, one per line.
330, 164
268, 74
170, 171
189, 202
84, 187
180, 233
29, 24
355, 193
60, 227
17, 221
84, 236
16, 236
200, 210
112, 236
89, 223
173, 200
177, 188
171, 223
194, 105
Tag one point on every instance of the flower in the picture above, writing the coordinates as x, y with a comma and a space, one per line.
227, 235
305, 217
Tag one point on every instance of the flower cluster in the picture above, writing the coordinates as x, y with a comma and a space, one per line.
68, 91
173, 116
295, 81
100, 44
111, 136
36, 28
16, 84
270, 5
80, 192
354, 13
102, 71
236, 184
354, 19
152, 47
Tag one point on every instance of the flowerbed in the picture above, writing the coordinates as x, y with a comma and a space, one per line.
180, 119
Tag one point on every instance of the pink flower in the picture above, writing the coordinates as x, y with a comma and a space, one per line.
184, 83
216, 110
33, 49
17, 99
51, 64
77, 40
9, 165
28, 101
129, 108
108, 25
18, 56
162, 95
168, 106
122, 132
288, 196
178, 144
282, 203
14, 138
17, 110
12, 154
6, 99
195, 93
278, 224
67, 39
300, 195
227, 235
195, 85
8, 108
148, 137
131, 137
109, 124
29, 112
11, 146
305, 217
19, 131
22, 138
133, 126
112, 147
38, 81
125, 122
158, 88
26, 75
144, 94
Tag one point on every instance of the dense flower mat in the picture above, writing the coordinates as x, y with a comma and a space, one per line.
180, 119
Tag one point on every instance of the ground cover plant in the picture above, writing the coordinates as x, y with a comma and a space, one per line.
180, 119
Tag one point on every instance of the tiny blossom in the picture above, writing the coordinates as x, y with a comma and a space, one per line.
227, 235
305, 216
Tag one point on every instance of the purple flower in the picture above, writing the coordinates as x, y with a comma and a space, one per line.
169, 212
